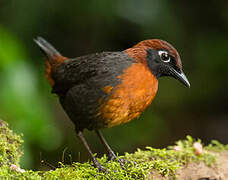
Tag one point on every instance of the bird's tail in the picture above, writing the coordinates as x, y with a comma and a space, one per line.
54, 58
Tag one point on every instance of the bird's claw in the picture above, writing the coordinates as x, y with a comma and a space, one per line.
99, 167
123, 162
111, 157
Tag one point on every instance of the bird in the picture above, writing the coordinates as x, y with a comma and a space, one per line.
107, 89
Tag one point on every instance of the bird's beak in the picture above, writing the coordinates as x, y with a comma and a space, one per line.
181, 77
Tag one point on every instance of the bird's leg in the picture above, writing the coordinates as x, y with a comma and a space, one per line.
111, 154
95, 162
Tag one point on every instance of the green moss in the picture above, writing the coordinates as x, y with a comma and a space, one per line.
216, 146
164, 161
7, 173
10, 146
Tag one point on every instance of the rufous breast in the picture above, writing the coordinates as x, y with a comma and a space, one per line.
134, 93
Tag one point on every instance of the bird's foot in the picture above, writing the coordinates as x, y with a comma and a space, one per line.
99, 167
111, 156
123, 162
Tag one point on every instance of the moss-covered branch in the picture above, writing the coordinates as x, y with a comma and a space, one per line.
187, 159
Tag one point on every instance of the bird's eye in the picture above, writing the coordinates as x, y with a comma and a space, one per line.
164, 56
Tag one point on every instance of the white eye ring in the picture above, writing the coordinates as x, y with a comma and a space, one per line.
165, 57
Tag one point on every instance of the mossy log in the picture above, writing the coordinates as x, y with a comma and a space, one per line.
187, 160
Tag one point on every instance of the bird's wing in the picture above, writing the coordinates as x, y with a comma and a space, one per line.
97, 70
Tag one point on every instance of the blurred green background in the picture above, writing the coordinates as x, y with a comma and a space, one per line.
198, 30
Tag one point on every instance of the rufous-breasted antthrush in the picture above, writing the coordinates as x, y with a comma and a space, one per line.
110, 88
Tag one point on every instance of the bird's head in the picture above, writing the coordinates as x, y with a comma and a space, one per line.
162, 59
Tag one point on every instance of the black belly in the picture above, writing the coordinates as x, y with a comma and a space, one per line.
81, 104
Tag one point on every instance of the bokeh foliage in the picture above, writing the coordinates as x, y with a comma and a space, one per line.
198, 30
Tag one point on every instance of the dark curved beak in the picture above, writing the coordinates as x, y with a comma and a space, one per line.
180, 76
